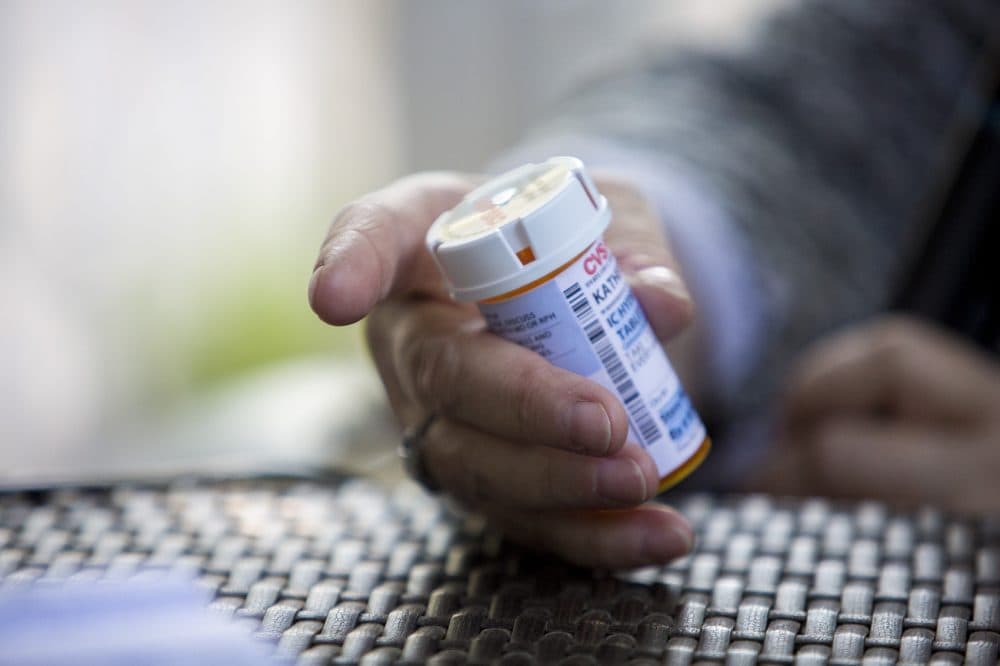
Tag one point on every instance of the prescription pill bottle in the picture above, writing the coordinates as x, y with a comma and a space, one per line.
527, 247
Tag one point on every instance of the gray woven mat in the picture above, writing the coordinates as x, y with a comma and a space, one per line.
343, 572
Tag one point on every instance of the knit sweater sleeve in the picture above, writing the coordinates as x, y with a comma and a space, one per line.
817, 141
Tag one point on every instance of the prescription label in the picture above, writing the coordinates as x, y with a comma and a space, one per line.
585, 319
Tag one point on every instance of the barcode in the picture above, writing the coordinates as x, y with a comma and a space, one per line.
612, 363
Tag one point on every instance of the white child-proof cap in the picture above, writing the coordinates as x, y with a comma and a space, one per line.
517, 228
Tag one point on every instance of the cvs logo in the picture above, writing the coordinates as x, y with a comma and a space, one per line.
595, 259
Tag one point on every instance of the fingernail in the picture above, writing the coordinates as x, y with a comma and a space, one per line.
667, 543
621, 481
663, 278
590, 427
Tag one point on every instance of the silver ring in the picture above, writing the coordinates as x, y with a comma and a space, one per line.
412, 456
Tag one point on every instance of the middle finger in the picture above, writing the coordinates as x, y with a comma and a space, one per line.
482, 469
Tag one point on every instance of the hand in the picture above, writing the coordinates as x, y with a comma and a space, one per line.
897, 410
539, 450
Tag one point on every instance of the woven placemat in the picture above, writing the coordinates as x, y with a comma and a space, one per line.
346, 572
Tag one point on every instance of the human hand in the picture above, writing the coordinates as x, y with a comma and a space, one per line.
894, 409
537, 449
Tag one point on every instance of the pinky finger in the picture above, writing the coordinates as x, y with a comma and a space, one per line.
645, 535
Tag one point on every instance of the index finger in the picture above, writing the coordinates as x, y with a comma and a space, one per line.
646, 258
375, 246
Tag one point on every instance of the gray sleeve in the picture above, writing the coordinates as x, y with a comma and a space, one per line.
817, 138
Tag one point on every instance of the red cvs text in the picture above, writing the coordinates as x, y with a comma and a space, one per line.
593, 261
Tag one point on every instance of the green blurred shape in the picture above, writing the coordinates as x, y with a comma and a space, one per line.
252, 320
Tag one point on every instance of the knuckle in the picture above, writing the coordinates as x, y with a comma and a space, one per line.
434, 366
531, 395
369, 222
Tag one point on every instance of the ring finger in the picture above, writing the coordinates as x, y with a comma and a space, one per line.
644, 535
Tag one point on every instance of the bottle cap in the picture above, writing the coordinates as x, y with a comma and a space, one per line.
517, 228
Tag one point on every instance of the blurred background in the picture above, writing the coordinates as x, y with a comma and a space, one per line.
167, 171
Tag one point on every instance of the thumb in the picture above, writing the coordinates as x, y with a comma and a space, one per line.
375, 246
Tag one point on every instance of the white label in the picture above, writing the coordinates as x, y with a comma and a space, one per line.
587, 320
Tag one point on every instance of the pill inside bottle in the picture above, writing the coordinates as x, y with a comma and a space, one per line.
527, 247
